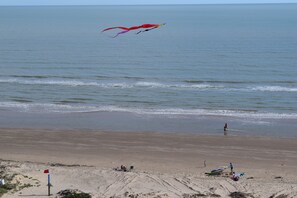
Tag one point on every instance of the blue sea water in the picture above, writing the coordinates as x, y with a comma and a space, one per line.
208, 65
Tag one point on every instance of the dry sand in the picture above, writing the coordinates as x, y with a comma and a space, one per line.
165, 165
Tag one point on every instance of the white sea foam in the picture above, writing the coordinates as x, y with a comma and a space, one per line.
74, 83
274, 89
47, 82
145, 84
228, 113
149, 84
67, 108
55, 108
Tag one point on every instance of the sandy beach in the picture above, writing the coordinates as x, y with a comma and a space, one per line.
107, 101
165, 164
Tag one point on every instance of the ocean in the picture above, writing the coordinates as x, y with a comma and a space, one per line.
208, 65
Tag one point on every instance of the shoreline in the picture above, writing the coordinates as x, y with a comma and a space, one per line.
122, 122
80, 157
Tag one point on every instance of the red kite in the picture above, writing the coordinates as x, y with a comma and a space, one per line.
147, 27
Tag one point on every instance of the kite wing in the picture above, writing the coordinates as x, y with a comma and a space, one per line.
111, 28
147, 27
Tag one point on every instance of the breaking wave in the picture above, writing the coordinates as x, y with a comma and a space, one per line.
275, 89
74, 108
146, 84
74, 83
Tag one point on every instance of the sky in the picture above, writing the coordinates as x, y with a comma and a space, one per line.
133, 2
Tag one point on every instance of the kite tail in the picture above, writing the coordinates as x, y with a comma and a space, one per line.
120, 33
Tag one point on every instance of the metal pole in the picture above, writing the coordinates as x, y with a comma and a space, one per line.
49, 184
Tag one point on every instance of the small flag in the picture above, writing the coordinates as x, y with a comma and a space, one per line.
46, 171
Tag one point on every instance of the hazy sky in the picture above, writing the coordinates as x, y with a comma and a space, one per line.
128, 2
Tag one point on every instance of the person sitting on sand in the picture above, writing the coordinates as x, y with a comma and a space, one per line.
235, 177
123, 168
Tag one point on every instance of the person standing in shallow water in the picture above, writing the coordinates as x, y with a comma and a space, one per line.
225, 128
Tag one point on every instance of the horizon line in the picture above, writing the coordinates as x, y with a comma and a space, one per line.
149, 4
